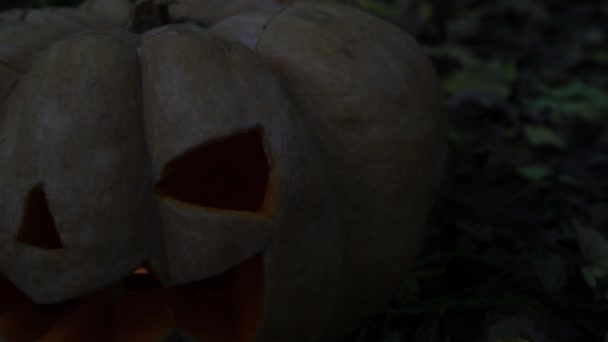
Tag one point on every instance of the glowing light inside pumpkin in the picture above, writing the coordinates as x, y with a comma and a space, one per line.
227, 307
141, 270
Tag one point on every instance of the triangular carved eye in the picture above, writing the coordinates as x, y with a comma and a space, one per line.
230, 173
38, 226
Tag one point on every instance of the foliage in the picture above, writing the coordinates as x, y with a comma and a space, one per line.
519, 248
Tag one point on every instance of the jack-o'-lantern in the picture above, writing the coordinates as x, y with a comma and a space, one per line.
235, 171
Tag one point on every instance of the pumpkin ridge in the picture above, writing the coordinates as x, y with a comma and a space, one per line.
267, 24
10, 66
121, 35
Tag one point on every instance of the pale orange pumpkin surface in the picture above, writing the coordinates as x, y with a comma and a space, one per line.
232, 171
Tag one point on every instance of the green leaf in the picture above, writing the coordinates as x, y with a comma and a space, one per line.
426, 11
378, 8
594, 248
600, 57
462, 54
543, 136
509, 329
574, 98
534, 172
494, 77
551, 272
594, 36
593, 274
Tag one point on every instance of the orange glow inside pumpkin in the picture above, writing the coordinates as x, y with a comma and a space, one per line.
227, 307
141, 270
228, 174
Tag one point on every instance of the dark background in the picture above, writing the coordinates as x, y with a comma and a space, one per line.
6, 4
517, 248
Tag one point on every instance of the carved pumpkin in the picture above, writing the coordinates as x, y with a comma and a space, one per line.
260, 172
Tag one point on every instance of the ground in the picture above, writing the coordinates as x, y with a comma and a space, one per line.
518, 248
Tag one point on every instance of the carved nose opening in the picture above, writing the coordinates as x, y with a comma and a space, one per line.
38, 226
230, 173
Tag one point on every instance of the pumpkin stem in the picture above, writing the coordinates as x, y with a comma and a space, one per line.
148, 14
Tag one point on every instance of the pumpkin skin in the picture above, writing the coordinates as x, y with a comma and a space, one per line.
329, 122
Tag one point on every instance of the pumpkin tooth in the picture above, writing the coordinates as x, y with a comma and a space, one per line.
249, 296
25, 323
227, 307
108, 294
207, 315
85, 322
20, 318
144, 316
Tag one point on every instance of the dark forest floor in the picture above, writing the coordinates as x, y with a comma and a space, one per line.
518, 249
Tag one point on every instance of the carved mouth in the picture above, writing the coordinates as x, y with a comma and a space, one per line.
226, 307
